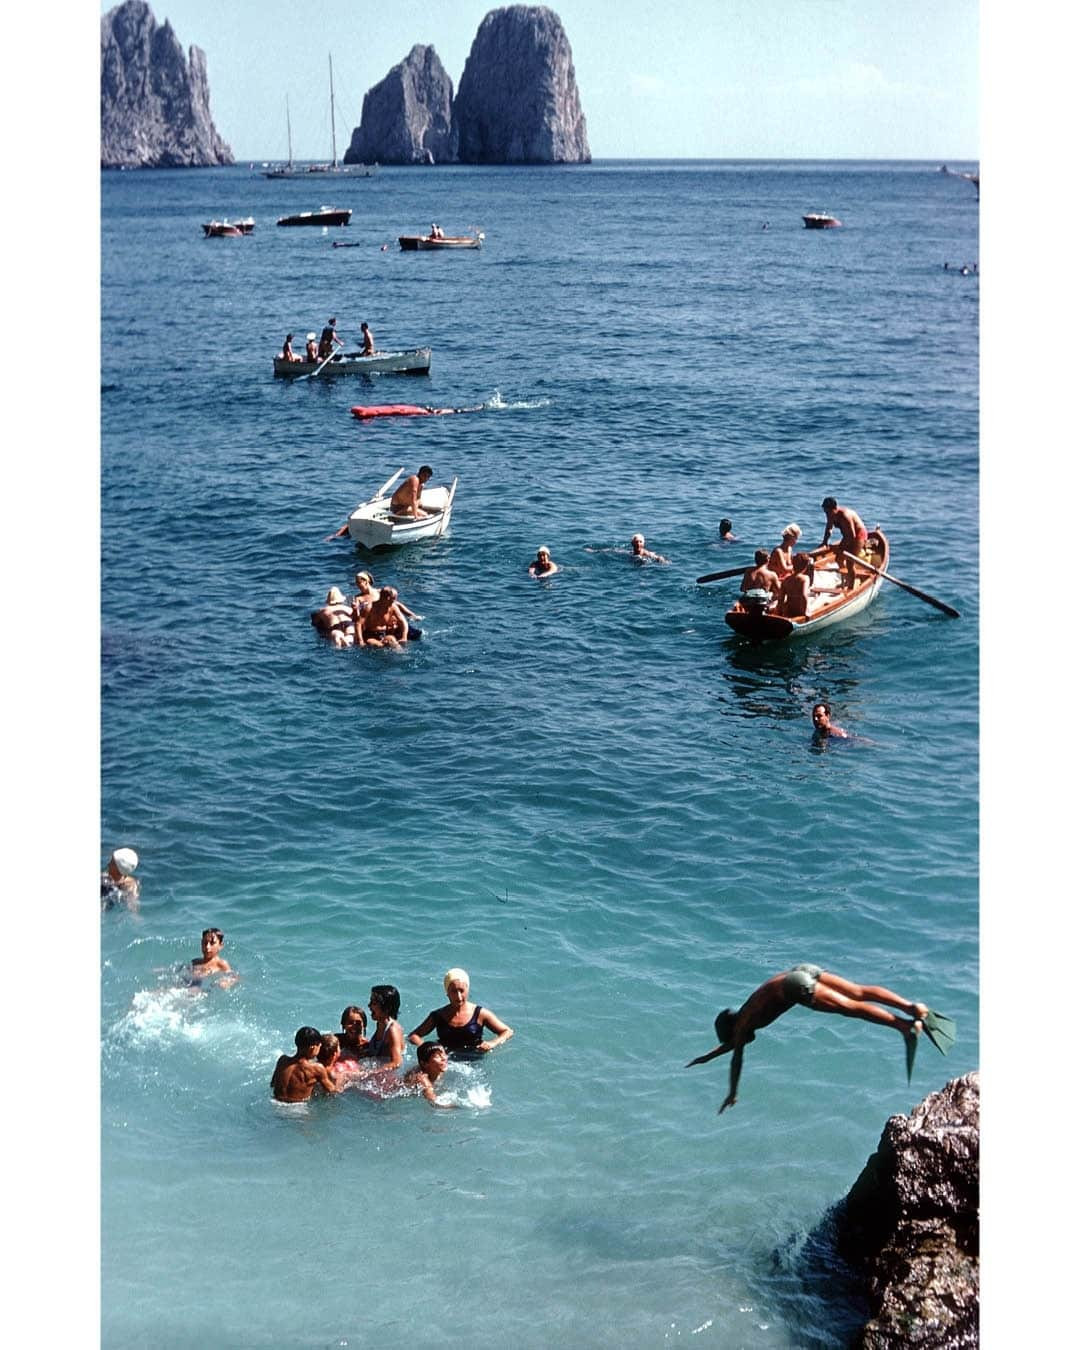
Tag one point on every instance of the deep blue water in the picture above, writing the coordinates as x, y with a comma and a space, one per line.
585, 791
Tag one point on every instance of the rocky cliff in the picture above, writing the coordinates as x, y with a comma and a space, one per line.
517, 102
406, 117
155, 105
910, 1225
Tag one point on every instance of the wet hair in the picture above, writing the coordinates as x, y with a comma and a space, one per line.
425, 1051
214, 932
353, 1011
829, 504
725, 525
387, 997
306, 1037
825, 706
725, 1026
329, 1045
761, 556
424, 469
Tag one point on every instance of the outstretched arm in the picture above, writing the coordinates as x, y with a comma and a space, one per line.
736, 1070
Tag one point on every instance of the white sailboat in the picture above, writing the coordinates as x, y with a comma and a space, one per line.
290, 171
284, 171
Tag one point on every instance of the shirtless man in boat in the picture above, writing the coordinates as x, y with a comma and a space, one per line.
853, 533
813, 988
406, 499
383, 625
367, 337
297, 1076
760, 577
793, 601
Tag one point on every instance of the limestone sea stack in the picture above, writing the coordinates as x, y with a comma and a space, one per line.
518, 102
406, 116
910, 1225
155, 104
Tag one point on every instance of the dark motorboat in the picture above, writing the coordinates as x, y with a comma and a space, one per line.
325, 216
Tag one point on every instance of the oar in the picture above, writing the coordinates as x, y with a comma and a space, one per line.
393, 477
311, 374
722, 576
912, 590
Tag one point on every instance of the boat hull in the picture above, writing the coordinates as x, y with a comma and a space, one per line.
821, 222
317, 218
372, 524
830, 603
417, 243
416, 362
228, 229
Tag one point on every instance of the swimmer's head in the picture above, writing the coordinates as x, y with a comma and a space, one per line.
725, 526
213, 933
308, 1040
821, 713
543, 552
430, 1053
329, 1046
638, 539
455, 975
725, 1026
386, 997
354, 1017
126, 861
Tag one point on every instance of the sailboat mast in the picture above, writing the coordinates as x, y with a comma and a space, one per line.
333, 130
288, 128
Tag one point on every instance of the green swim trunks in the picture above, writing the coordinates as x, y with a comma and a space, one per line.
799, 983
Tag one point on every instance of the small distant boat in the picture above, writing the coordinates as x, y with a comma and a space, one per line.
226, 229
414, 362
830, 602
290, 170
415, 243
373, 524
818, 220
326, 215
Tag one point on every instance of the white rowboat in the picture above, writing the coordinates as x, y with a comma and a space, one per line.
373, 525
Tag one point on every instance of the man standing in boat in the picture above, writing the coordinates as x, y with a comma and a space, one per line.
328, 338
406, 500
853, 534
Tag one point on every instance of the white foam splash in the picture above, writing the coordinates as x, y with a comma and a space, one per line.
496, 401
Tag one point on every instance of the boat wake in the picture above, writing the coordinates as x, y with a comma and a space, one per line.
497, 403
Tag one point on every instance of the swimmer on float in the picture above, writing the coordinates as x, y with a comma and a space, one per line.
460, 1025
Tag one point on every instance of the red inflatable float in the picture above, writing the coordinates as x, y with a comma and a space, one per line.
364, 411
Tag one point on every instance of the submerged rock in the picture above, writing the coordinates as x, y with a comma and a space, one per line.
406, 116
910, 1225
517, 102
155, 104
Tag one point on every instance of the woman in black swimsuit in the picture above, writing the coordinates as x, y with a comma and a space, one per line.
459, 1026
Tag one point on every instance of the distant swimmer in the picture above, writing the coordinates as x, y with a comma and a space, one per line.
821, 715
353, 1028
211, 962
760, 577
643, 554
368, 339
823, 992
853, 533
406, 498
542, 565
297, 1076
118, 885
726, 536
432, 1061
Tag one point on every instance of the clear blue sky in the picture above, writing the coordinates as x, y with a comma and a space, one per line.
776, 79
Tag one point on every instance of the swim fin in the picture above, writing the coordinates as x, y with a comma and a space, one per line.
940, 1030
911, 1044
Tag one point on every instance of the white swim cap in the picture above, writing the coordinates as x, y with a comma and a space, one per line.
126, 860
310, 337
455, 976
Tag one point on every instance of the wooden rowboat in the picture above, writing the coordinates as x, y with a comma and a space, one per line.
830, 601
373, 524
414, 362
413, 243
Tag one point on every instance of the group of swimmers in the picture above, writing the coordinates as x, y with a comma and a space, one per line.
784, 580
373, 617
322, 348
328, 1063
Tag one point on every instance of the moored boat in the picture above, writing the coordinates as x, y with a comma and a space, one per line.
326, 215
414, 362
374, 525
830, 601
819, 220
228, 229
419, 243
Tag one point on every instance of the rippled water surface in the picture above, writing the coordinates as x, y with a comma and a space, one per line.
584, 790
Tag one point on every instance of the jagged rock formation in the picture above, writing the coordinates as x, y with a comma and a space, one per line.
406, 116
911, 1225
155, 105
517, 102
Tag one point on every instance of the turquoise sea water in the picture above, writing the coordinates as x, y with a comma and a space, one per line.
585, 790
